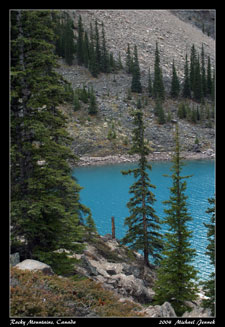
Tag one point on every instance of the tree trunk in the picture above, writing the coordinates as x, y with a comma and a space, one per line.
113, 228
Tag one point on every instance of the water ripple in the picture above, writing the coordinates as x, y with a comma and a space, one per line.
106, 192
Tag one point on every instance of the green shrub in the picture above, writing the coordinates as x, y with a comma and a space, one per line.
34, 294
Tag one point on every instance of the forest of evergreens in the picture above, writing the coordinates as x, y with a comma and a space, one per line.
46, 212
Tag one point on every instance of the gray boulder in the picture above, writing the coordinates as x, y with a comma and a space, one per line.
90, 269
160, 311
34, 265
130, 286
197, 311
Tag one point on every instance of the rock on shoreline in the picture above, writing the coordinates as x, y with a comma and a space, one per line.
155, 156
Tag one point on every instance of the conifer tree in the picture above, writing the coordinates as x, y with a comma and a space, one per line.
129, 61
160, 113
105, 55
69, 43
203, 75
136, 75
176, 275
197, 86
86, 54
143, 223
119, 64
80, 42
93, 66
149, 84
209, 285
112, 63
158, 86
64, 43
45, 205
192, 67
213, 87
209, 79
93, 105
175, 85
97, 47
186, 84
76, 102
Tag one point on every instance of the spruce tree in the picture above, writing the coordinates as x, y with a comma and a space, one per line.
86, 51
93, 66
175, 85
197, 86
209, 285
80, 42
93, 105
192, 67
64, 42
129, 61
149, 84
203, 72
160, 113
143, 223
97, 48
186, 92
105, 55
45, 204
176, 275
119, 62
209, 79
136, 75
158, 86
69, 42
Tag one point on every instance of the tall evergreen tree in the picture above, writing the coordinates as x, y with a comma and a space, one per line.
143, 223
158, 86
97, 47
80, 42
69, 42
45, 205
175, 85
213, 87
136, 75
176, 274
209, 285
93, 66
63, 27
129, 60
197, 86
105, 55
209, 78
119, 62
149, 84
192, 67
203, 72
186, 84
93, 105
86, 51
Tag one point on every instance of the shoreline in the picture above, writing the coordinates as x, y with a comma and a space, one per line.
155, 156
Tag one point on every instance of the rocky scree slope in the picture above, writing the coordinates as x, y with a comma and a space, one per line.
204, 19
143, 28
91, 133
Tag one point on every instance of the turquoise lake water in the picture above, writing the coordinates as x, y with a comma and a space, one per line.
106, 193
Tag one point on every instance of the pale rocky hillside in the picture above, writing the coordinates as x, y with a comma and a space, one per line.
143, 28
